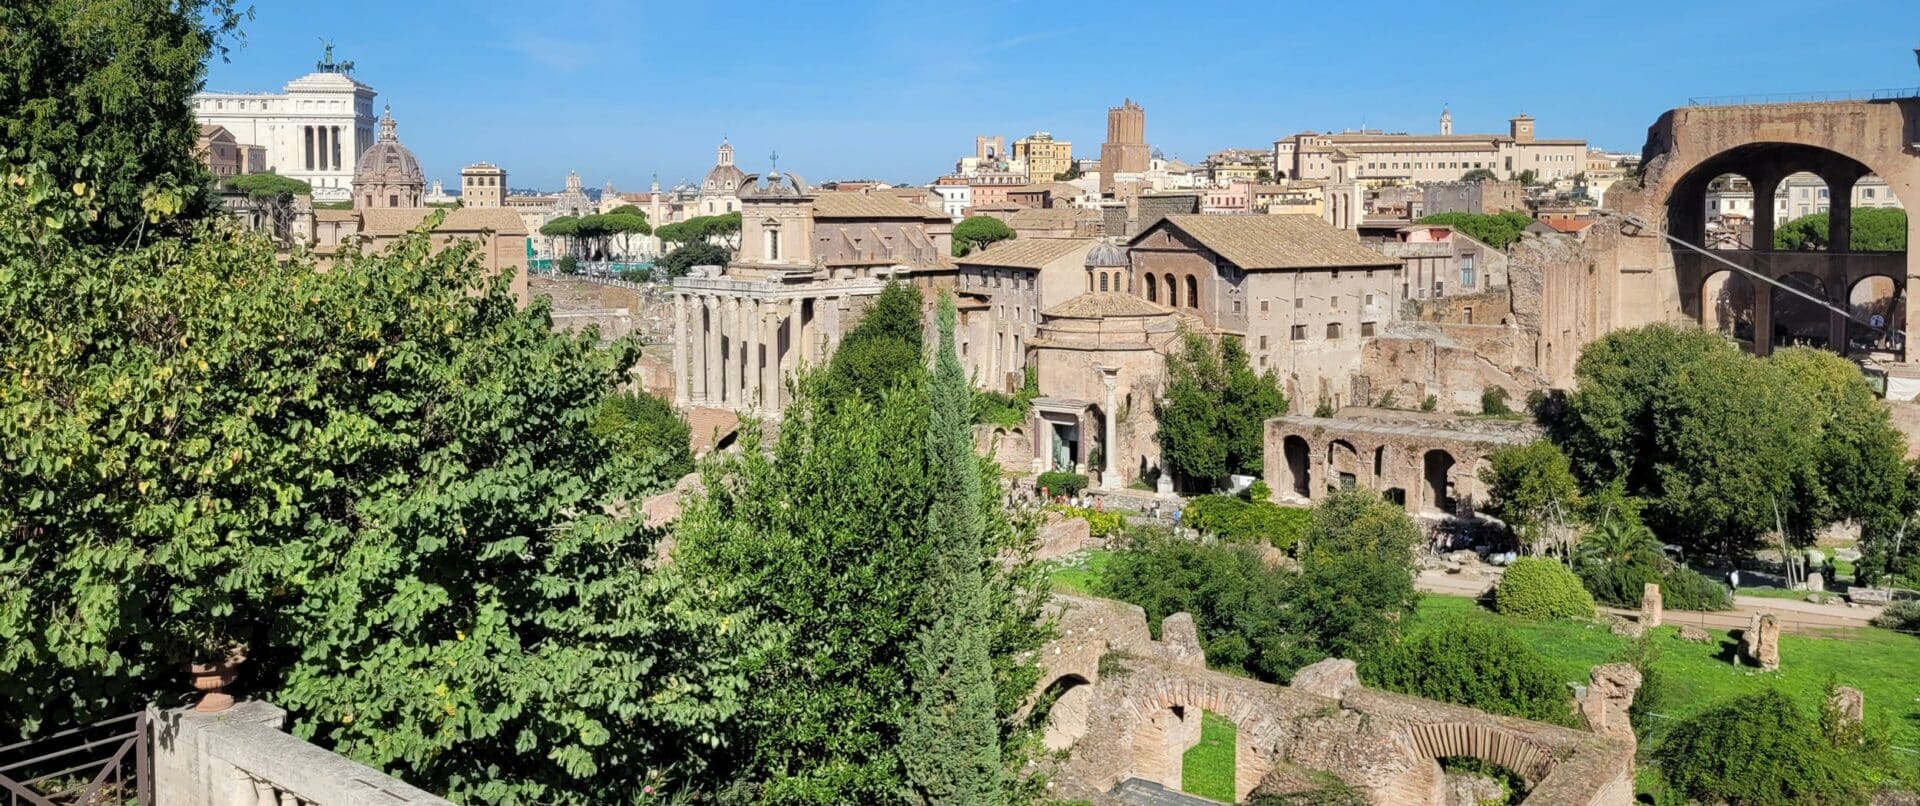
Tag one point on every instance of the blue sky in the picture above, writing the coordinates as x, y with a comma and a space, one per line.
897, 90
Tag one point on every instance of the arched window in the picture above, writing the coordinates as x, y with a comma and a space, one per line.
1193, 292
1173, 293
1153, 294
1103, 281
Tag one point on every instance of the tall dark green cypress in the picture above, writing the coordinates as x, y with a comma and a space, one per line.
950, 745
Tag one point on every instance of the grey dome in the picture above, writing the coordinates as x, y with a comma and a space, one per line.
1106, 254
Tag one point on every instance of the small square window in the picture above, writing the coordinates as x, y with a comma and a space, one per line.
1299, 332
1263, 342
1299, 303
1333, 330
1263, 306
1366, 328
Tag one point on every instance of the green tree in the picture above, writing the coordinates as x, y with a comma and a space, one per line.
1608, 428
565, 230
1213, 415
274, 193
1531, 486
950, 743
98, 102
652, 446
598, 232
722, 230
885, 350
1355, 585
386, 462
1758, 749
682, 260
1479, 175
826, 535
978, 232
1498, 230
1527, 178
1875, 229
1472, 663
1235, 599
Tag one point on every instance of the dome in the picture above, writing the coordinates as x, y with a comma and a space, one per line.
387, 160
725, 179
1106, 254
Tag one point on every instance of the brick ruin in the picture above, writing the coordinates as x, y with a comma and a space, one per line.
1127, 707
1428, 463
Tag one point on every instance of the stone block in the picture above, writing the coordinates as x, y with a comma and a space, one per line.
1329, 678
1651, 609
1688, 632
1180, 641
1761, 642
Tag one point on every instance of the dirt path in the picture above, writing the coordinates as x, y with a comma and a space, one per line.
1795, 616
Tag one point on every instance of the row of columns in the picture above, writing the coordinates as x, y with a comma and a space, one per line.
732, 351
323, 147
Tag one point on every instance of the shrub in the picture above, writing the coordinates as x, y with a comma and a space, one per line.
1619, 584
636, 275
1542, 588
1327, 791
1099, 523
1473, 663
1237, 520
1757, 749
1682, 588
1494, 401
1236, 601
1903, 616
1061, 482
1430, 403
1325, 409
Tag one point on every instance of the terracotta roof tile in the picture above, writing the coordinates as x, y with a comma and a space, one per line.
1097, 304
1566, 225
1276, 241
1027, 253
397, 220
869, 205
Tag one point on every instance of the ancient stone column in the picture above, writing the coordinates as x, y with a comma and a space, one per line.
1849, 703
680, 352
771, 391
730, 359
750, 341
784, 357
709, 359
1651, 606
1110, 441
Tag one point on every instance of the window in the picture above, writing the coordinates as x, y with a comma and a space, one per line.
1467, 272
1298, 303
1263, 306
1236, 306
1866, 193
1263, 342
1366, 329
1153, 289
1193, 292
1333, 330
1173, 296
1369, 299
1299, 332
1103, 281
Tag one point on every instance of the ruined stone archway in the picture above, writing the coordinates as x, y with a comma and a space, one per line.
1727, 305
1298, 465
1798, 321
1872, 299
1488, 743
1436, 467
1344, 468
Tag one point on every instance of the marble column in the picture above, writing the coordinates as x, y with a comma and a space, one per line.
787, 340
735, 355
750, 342
712, 369
772, 380
1110, 441
680, 352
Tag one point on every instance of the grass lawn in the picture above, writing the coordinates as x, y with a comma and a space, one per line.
1881, 663
1079, 572
1207, 769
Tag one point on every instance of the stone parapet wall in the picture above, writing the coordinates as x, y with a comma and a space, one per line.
242, 757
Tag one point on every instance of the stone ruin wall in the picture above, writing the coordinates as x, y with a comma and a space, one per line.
1132, 708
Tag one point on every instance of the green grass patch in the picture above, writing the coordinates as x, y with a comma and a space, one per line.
1207, 769
1878, 662
1079, 573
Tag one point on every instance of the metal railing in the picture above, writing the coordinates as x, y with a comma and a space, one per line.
105, 762
1817, 97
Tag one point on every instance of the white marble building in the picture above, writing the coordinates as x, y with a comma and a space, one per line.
312, 131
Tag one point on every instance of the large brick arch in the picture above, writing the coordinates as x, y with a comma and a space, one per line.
1526, 759
1260, 738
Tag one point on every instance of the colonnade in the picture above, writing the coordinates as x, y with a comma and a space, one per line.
734, 351
323, 147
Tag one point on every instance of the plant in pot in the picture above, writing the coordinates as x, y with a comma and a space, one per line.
214, 665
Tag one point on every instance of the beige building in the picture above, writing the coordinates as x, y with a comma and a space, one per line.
225, 156
808, 266
1044, 156
388, 176
1440, 261
1301, 294
499, 234
1005, 287
483, 184
1444, 157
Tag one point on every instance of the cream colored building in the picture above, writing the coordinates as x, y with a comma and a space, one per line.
483, 184
313, 130
225, 156
1044, 156
388, 176
809, 264
1368, 154
1004, 288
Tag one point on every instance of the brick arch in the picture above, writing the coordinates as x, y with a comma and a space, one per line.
1160, 741
1531, 761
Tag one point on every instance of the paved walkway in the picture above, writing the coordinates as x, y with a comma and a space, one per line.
1794, 615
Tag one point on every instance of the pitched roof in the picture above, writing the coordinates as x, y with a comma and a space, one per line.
396, 220
1027, 253
1275, 241
1098, 304
831, 205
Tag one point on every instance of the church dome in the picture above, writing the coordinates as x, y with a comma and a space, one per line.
725, 179
387, 163
1106, 254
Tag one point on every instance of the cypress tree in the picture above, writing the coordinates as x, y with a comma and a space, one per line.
950, 744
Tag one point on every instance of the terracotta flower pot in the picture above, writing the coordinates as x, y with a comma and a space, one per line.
211, 678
